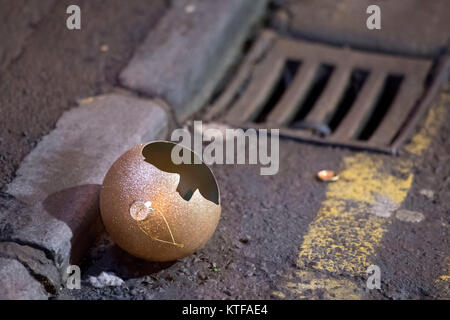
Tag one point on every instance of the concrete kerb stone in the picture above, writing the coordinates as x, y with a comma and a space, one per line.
189, 52
54, 197
33, 226
35, 261
17, 284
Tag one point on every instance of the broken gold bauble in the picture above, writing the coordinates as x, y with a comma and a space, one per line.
155, 209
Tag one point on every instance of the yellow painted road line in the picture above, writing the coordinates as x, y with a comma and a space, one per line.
310, 285
421, 141
345, 234
443, 282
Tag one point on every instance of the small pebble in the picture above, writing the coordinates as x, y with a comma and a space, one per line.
427, 193
409, 216
327, 176
105, 279
383, 207
190, 8
244, 240
104, 48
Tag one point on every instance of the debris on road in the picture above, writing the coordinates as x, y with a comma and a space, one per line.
86, 100
104, 48
190, 8
409, 216
383, 207
327, 175
427, 193
245, 239
106, 279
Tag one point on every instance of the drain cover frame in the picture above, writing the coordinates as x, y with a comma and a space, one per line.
243, 100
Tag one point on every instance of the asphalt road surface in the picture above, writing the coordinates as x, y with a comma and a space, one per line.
287, 236
292, 236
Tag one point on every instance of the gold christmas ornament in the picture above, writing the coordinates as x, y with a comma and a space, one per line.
155, 209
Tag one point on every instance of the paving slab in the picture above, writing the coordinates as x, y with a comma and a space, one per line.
410, 27
188, 53
85, 143
52, 203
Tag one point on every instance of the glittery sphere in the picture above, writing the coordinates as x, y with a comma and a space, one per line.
155, 209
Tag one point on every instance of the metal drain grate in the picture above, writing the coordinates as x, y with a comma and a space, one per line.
325, 94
